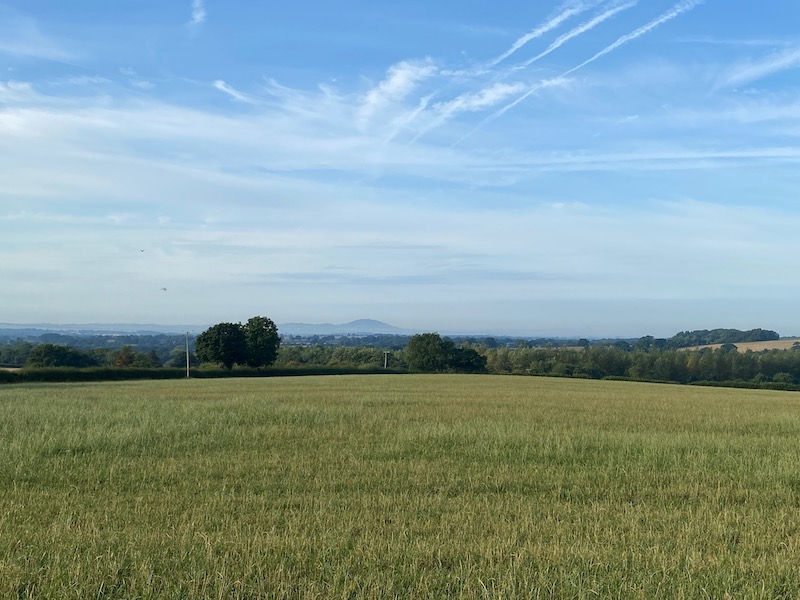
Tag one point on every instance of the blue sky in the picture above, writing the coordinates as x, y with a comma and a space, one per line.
589, 167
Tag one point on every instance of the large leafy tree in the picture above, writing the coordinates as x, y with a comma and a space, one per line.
261, 337
467, 360
428, 352
222, 343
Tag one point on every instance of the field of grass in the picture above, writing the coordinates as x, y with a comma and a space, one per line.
781, 344
398, 487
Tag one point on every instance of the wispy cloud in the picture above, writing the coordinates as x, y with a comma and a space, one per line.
752, 71
233, 92
581, 29
491, 95
617, 123
15, 91
20, 35
771, 42
545, 83
568, 10
80, 80
482, 99
675, 11
91, 148
401, 79
135, 80
198, 13
471, 102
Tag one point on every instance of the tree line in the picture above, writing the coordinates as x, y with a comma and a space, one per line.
253, 344
721, 365
160, 349
257, 344
58, 355
704, 337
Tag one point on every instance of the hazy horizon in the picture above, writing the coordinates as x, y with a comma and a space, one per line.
309, 328
607, 168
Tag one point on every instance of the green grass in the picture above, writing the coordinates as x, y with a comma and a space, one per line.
398, 486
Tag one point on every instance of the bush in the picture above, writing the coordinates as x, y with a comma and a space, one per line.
67, 374
8, 376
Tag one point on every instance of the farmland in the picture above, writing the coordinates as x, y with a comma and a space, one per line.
398, 486
781, 344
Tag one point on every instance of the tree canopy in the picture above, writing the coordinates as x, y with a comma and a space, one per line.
222, 343
262, 340
429, 353
254, 344
703, 337
54, 355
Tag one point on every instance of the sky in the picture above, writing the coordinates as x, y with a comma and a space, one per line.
595, 168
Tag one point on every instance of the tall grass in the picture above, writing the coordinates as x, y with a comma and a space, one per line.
396, 487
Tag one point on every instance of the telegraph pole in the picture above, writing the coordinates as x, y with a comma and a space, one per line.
386, 359
187, 355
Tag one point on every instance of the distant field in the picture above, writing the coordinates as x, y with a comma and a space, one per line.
781, 344
398, 487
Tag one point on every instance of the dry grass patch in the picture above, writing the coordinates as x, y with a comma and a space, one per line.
396, 487
781, 344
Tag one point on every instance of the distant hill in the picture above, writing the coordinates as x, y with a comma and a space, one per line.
359, 326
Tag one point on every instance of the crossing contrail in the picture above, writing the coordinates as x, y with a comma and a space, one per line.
591, 24
676, 10
568, 10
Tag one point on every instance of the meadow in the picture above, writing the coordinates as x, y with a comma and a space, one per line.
781, 344
398, 486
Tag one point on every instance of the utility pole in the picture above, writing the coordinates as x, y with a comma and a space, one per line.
187, 355
386, 359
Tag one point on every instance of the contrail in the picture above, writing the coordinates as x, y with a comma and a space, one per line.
787, 59
676, 10
568, 10
407, 119
591, 24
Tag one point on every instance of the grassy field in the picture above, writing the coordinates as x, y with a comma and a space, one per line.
398, 487
781, 344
